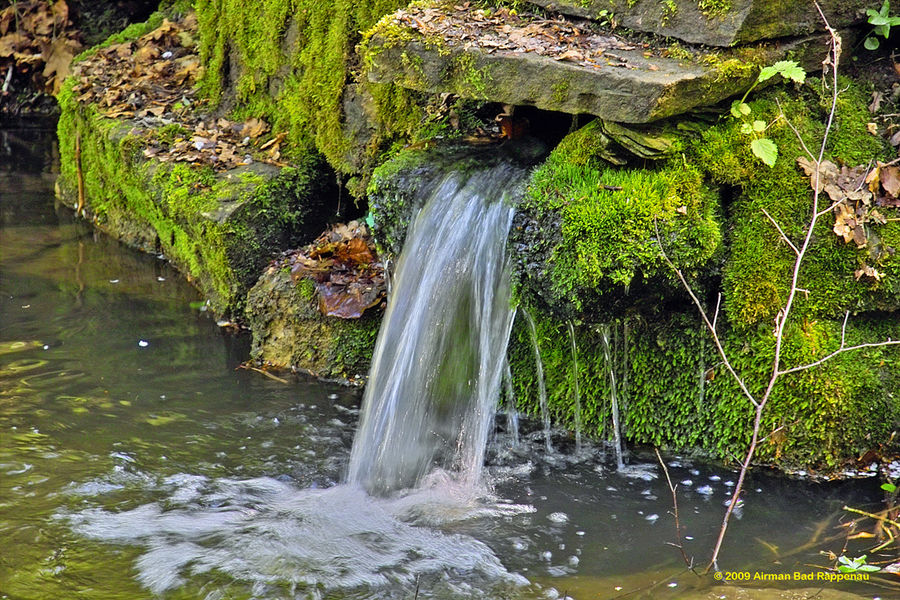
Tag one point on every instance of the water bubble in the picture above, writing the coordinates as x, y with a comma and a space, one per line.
579, 533
160, 278
114, 281
652, 518
715, 478
558, 517
706, 490
143, 343
333, 396
687, 482
729, 483
546, 555
574, 560
167, 54
672, 584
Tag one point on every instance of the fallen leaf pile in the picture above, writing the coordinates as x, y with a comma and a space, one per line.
343, 263
504, 30
857, 194
37, 43
150, 81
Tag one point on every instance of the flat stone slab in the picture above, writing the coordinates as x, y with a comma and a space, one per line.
559, 65
716, 22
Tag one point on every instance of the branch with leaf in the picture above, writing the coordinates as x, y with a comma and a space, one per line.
766, 151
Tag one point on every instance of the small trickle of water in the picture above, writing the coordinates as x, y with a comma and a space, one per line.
577, 391
613, 396
436, 372
539, 372
512, 413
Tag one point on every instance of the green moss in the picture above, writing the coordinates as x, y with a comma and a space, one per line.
714, 8
290, 63
218, 229
593, 226
674, 393
757, 275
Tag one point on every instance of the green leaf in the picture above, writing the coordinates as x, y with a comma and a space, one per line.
789, 69
766, 73
889, 487
765, 150
746, 128
869, 568
759, 126
871, 43
878, 20
739, 108
844, 569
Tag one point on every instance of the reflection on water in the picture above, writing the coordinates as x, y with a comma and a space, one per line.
136, 462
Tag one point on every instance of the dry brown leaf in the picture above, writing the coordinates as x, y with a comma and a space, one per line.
890, 180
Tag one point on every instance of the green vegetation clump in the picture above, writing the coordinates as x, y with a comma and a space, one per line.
587, 229
674, 393
757, 273
291, 61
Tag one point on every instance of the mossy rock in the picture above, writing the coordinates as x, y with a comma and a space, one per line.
402, 185
220, 229
292, 62
716, 22
674, 392
757, 273
585, 234
289, 331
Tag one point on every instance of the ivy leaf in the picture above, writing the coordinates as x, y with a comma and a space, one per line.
765, 150
871, 43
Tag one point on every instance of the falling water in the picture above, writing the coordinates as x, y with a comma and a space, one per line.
512, 413
436, 371
542, 388
577, 391
613, 396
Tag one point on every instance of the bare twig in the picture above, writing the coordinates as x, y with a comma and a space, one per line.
781, 231
680, 545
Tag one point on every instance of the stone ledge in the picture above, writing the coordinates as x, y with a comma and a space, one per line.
725, 23
583, 72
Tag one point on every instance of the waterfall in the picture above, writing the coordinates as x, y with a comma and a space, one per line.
542, 387
438, 362
613, 396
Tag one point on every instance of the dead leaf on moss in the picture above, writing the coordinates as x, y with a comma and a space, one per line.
344, 266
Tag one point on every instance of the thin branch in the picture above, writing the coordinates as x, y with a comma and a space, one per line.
680, 544
705, 317
780, 231
840, 351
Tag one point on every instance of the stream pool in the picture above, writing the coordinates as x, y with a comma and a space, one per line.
137, 460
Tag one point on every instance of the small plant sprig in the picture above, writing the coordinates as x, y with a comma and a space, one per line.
762, 147
881, 22
856, 565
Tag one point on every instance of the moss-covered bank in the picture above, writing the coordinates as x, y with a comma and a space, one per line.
219, 229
